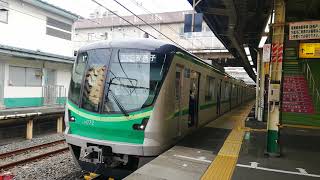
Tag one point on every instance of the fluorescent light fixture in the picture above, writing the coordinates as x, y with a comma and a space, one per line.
267, 28
250, 58
247, 51
272, 21
263, 41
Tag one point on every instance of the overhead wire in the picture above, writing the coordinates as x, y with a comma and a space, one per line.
148, 23
121, 17
170, 27
137, 26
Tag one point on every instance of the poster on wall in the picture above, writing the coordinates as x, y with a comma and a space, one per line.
309, 50
266, 53
304, 30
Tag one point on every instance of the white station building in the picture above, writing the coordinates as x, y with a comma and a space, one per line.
36, 53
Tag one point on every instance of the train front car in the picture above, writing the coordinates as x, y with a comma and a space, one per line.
112, 91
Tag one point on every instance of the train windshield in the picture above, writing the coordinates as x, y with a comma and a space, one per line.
87, 82
119, 82
134, 79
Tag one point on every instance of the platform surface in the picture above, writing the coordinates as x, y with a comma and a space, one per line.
300, 158
231, 147
30, 111
191, 157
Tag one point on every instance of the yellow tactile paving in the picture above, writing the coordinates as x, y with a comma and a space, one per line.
230, 149
223, 165
221, 168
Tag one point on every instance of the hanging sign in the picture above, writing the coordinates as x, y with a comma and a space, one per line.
304, 30
309, 50
266, 53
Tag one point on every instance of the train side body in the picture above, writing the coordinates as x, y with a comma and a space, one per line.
170, 117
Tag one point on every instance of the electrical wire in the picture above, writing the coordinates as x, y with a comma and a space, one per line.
171, 28
147, 23
121, 17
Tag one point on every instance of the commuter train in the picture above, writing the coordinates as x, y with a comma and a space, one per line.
131, 100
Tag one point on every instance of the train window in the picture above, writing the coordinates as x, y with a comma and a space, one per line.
94, 79
77, 76
227, 91
187, 73
209, 91
135, 77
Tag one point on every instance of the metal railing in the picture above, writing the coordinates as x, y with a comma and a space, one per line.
312, 84
1, 97
53, 95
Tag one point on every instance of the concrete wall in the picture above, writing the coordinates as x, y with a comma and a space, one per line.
26, 28
24, 96
196, 40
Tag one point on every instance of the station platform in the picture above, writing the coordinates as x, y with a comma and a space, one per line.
28, 112
227, 149
19, 122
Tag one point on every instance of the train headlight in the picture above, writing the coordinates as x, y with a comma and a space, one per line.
142, 126
71, 118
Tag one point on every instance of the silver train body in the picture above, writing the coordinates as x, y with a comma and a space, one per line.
191, 94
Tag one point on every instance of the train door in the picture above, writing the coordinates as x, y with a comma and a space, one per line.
194, 99
219, 97
178, 98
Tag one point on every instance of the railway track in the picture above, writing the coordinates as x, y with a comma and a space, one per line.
28, 151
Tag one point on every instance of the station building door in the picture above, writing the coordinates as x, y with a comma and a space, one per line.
1, 85
50, 89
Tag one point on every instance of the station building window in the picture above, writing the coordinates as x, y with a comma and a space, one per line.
209, 93
25, 76
58, 29
4, 11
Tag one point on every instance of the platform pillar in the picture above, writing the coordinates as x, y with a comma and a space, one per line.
258, 85
273, 146
262, 90
60, 125
29, 133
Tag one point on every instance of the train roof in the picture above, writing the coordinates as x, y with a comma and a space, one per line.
143, 43
147, 44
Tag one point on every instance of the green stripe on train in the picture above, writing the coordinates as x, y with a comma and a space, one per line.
115, 127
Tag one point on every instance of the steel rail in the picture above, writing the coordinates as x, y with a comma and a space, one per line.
37, 157
20, 151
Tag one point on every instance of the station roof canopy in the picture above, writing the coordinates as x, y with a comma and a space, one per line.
34, 55
237, 23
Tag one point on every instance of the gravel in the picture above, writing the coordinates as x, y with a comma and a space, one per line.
28, 143
54, 167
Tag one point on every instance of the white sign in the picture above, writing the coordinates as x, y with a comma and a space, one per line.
266, 53
304, 30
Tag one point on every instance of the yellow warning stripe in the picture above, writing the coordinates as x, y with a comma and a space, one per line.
224, 164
